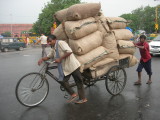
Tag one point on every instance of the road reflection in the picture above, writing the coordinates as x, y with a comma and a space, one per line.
143, 99
36, 113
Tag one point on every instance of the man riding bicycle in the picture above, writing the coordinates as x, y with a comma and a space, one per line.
67, 65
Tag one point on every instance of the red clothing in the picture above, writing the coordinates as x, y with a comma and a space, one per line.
145, 54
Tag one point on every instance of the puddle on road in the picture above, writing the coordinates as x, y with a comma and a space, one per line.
130, 95
26, 55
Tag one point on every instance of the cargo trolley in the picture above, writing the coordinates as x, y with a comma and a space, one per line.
33, 88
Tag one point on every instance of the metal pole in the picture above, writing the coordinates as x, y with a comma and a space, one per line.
156, 22
11, 25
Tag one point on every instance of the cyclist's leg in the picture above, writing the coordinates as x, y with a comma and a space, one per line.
65, 84
79, 82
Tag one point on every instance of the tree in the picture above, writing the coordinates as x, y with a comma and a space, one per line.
45, 20
142, 18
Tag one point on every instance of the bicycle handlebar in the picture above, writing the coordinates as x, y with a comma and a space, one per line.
49, 62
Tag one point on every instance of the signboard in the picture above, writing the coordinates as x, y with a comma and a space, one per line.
156, 26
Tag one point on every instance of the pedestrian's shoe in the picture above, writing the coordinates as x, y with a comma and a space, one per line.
137, 83
149, 82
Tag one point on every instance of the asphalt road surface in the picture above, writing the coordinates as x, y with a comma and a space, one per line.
134, 103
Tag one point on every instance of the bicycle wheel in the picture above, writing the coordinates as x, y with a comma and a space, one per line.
32, 89
115, 80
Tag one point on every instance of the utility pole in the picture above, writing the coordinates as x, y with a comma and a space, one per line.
11, 24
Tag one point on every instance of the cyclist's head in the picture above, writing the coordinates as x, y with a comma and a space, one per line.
51, 39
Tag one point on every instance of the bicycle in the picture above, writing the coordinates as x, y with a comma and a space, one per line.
33, 88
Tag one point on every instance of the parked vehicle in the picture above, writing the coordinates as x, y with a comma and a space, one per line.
11, 43
155, 46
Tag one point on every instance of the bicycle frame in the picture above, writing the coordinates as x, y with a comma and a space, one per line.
47, 63
50, 74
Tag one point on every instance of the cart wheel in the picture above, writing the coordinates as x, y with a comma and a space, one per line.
88, 81
115, 80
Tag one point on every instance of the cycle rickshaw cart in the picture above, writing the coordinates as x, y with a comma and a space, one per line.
33, 88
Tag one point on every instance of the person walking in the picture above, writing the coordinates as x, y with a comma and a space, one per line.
26, 40
43, 40
145, 60
67, 65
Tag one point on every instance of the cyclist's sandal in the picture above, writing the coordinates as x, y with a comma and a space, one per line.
80, 101
72, 98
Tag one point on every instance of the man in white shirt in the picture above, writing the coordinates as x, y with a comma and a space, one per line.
43, 40
67, 65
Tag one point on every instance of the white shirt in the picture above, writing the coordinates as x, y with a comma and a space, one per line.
43, 39
70, 63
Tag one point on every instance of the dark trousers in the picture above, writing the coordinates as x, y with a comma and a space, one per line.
146, 66
79, 82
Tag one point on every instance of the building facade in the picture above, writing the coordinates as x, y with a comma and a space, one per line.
15, 29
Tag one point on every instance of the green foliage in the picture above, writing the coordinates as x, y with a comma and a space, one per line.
45, 20
142, 19
6, 34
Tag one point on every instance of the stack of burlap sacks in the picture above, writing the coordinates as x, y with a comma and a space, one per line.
98, 42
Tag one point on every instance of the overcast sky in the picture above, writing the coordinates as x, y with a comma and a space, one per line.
27, 11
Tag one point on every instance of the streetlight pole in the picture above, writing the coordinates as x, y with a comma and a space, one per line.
11, 24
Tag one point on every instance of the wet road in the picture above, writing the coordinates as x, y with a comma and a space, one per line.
134, 103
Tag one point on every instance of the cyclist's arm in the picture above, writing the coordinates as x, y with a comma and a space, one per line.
66, 49
63, 57
42, 59
66, 55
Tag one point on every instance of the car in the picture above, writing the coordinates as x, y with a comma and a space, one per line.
11, 43
154, 46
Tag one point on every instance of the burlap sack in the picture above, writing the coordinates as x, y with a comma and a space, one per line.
123, 34
61, 15
101, 68
116, 22
102, 24
102, 63
78, 29
82, 11
92, 57
126, 47
132, 59
59, 33
86, 44
110, 43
